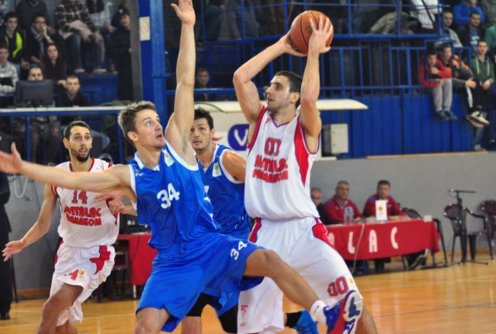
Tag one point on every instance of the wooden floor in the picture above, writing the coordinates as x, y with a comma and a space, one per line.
457, 299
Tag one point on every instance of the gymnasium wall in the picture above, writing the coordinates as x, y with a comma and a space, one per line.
419, 182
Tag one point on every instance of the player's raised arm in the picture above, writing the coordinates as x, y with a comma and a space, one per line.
310, 86
245, 88
111, 179
177, 131
38, 230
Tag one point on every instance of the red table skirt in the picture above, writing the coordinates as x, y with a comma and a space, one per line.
140, 255
379, 240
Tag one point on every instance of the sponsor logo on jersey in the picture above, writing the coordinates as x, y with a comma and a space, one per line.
81, 215
216, 172
168, 159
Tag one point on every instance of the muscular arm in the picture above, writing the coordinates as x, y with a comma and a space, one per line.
40, 227
115, 178
177, 130
235, 165
310, 86
246, 91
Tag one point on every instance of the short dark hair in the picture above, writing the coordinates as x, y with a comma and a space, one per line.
68, 128
383, 183
202, 113
294, 82
32, 67
70, 76
128, 115
9, 16
4, 46
38, 15
342, 182
481, 41
473, 12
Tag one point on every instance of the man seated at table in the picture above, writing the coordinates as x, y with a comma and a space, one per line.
383, 192
340, 209
316, 196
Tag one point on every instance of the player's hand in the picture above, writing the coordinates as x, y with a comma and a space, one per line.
321, 32
10, 162
12, 248
286, 47
185, 11
117, 202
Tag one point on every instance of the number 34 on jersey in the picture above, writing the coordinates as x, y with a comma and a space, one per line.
166, 196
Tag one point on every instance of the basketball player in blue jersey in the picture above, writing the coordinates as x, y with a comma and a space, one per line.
166, 184
223, 173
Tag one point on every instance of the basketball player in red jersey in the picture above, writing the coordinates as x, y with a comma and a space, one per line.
283, 138
87, 228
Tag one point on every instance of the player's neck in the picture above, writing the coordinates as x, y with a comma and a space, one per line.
283, 115
80, 166
149, 158
206, 156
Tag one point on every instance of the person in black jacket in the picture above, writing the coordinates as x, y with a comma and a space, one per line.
120, 53
5, 278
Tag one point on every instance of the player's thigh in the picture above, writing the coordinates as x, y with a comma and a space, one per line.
324, 269
63, 298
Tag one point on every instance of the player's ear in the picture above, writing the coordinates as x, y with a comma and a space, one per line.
294, 97
65, 141
133, 136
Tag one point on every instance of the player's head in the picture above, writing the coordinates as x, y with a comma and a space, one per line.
283, 91
343, 190
140, 125
202, 131
383, 189
316, 195
78, 140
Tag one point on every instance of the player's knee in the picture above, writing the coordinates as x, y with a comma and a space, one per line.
271, 262
145, 327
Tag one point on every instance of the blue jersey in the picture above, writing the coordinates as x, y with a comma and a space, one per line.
227, 196
171, 199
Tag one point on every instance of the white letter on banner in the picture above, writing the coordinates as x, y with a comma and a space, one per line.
330, 237
373, 242
351, 248
393, 238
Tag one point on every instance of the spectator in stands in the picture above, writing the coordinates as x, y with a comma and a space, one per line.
471, 33
55, 68
463, 11
44, 131
316, 196
27, 9
447, 24
75, 26
425, 11
435, 76
340, 209
394, 212
484, 76
72, 96
489, 10
37, 40
202, 79
3, 10
270, 16
100, 15
120, 53
14, 39
8, 72
462, 76
123, 8
490, 38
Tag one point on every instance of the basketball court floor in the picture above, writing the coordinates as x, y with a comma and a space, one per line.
456, 299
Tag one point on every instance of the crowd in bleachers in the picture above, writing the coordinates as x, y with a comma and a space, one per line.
86, 37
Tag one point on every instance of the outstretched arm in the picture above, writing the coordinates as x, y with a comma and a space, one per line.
181, 120
245, 88
39, 229
116, 177
310, 86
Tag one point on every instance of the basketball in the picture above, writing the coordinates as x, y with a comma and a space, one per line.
301, 30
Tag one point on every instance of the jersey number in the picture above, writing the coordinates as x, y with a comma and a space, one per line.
235, 252
82, 196
166, 196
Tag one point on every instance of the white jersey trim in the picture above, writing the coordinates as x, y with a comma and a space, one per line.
181, 161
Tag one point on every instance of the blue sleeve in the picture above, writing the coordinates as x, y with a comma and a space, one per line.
460, 13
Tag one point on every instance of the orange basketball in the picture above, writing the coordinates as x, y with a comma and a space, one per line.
301, 30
